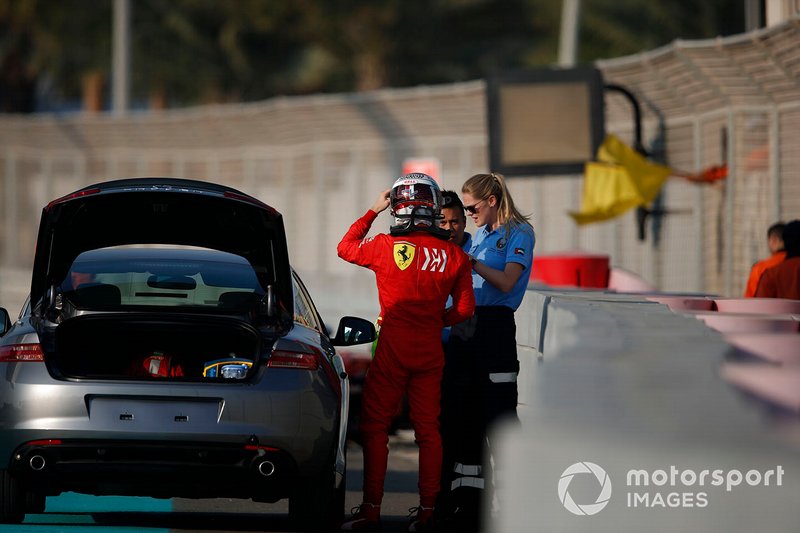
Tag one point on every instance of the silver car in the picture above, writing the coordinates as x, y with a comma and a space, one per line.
168, 349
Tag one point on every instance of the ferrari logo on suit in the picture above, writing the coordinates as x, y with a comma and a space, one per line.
403, 254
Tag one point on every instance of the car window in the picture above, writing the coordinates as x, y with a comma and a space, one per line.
161, 277
304, 311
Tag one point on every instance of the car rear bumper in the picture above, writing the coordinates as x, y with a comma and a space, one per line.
156, 469
292, 411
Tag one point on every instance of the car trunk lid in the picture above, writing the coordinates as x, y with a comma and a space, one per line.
162, 211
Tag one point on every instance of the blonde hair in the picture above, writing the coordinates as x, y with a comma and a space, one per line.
483, 186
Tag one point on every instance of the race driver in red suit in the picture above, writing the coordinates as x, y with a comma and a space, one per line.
416, 268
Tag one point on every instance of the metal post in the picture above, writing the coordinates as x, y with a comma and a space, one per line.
700, 264
637, 114
121, 57
730, 190
641, 212
567, 57
752, 15
775, 163
568, 40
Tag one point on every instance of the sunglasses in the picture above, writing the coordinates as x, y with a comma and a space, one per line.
472, 209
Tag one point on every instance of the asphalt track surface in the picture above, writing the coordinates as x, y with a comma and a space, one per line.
71, 512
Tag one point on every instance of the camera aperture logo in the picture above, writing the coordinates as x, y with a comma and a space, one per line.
666, 488
586, 509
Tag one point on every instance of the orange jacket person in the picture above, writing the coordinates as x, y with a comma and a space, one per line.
775, 244
783, 279
416, 269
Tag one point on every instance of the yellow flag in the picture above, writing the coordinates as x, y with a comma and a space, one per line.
648, 177
608, 191
621, 179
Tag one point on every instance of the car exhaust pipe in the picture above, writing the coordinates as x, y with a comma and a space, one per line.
37, 463
266, 468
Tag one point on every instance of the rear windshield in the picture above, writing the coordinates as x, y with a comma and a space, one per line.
125, 277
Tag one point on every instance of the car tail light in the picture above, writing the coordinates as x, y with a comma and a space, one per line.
44, 442
293, 359
256, 447
72, 196
17, 353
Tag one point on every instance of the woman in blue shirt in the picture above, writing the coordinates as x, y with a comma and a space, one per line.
480, 379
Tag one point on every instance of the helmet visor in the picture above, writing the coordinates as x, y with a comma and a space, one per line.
406, 195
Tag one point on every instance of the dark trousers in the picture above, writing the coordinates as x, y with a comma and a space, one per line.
479, 389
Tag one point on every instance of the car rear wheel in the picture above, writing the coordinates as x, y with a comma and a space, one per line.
12, 499
316, 504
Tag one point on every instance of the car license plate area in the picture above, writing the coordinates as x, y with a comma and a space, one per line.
157, 414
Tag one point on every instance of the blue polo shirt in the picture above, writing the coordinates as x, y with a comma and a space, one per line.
495, 250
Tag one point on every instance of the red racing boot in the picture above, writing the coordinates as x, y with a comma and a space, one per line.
366, 517
420, 519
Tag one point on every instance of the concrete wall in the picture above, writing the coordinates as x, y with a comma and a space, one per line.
628, 384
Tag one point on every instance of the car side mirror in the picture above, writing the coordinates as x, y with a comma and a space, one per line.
353, 330
5, 321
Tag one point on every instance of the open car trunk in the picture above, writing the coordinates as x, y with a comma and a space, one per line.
155, 347
161, 211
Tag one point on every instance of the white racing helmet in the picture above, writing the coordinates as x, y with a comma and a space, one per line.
416, 203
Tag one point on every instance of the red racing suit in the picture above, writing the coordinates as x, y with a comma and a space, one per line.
415, 274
